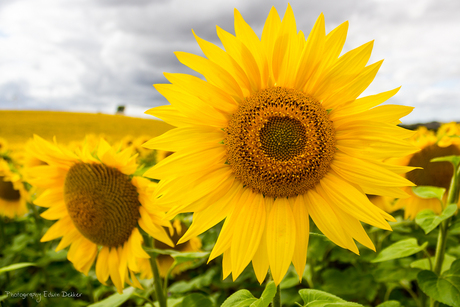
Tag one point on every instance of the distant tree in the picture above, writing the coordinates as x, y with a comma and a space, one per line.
120, 110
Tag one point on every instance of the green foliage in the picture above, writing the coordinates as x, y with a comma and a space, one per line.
316, 298
390, 304
196, 300
116, 299
16, 266
429, 192
400, 249
444, 288
424, 264
428, 220
244, 298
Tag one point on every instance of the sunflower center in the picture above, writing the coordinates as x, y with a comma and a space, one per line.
7, 191
436, 174
280, 142
102, 203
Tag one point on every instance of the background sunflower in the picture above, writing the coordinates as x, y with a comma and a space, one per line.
100, 209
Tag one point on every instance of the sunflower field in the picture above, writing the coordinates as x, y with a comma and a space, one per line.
270, 182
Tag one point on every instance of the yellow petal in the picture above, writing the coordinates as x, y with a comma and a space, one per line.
243, 56
172, 116
210, 95
281, 238
222, 58
55, 212
362, 172
247, 231
213, 73
58, 229
312, 53
302, 226
326, 220
353, 89
225, 237
226, 264
50, 197
249, 38
114, 264
345, 70
102, 267
260, 260
348, 198
191, 106
216, 212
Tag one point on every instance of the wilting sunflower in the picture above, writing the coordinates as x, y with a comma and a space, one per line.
274, 135
99, 208
445, 142
165, 261
13, 195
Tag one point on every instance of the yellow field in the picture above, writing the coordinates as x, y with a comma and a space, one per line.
16, 127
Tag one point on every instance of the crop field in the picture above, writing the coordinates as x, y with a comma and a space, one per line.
19, 126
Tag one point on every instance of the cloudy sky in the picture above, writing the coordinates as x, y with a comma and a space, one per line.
92, 55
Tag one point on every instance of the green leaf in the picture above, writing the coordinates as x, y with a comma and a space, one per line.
455, 160
429, 192
266, 297
184, 257
349, 283
116, 299
242, 298
445, 288
429, 221
160, 251
400, 249
196, 300
316, 298
425, 265
197, 283
16, 266
390, 304
311, 295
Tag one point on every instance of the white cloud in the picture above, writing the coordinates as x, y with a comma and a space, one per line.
94, 55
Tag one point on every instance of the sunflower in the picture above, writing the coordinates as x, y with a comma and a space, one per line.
165, 261
445, 142
99, 208
3, 145
162, 154
13, 195
385, 203
276, 135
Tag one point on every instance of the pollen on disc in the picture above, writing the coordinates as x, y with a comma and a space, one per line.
280, 142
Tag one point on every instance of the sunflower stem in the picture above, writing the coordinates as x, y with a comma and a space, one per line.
452, 198
277, 299
165, 285
38, 226
159, 292
2, 232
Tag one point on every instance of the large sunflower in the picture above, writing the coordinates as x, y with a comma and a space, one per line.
274, 135
13, 195
446, 142
99, 208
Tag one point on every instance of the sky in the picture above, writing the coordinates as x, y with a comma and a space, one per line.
93, 55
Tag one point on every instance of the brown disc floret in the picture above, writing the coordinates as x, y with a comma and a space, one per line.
280, 142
